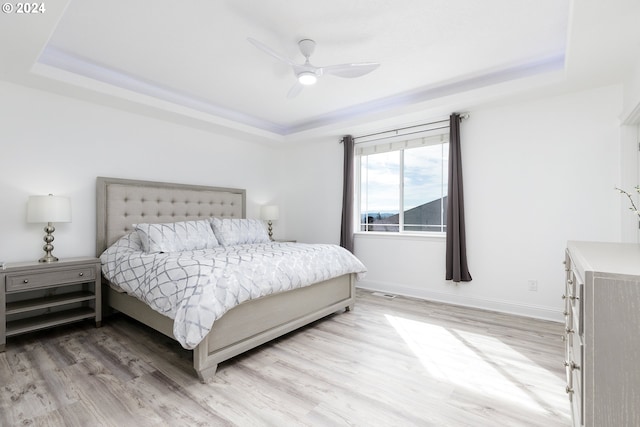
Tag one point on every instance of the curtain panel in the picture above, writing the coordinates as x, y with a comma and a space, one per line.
346, 229
456, 257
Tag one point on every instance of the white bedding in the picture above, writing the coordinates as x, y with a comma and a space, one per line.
195, 288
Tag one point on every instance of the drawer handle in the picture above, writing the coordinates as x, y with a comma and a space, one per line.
569, 390
25, 281
566, 313
570, 281
572, 366
573, 297
81, 274
569, 330
564, 296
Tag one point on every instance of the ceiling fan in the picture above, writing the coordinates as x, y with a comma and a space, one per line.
308, 74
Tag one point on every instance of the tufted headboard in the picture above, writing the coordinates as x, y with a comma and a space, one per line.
123, 202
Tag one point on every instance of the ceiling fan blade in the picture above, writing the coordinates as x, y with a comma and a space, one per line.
295, 90
263, 47
350, 70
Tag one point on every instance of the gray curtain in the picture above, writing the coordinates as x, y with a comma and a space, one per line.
456, 269
346, 229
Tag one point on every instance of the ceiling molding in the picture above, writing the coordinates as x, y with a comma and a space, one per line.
57, 58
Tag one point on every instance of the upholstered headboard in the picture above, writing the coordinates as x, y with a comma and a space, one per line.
124, 202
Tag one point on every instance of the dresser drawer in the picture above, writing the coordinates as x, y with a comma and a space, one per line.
574, 297
576, 399
577, 308
577, 403
32, 280
574, 368
572, 284
573, 348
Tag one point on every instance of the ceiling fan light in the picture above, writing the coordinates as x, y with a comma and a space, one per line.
307, 78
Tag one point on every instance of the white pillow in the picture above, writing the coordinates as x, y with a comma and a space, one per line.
238, 231
176, 236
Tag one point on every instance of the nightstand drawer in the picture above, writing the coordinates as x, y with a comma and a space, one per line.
24, 281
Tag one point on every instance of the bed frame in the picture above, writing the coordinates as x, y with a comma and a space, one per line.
123, 202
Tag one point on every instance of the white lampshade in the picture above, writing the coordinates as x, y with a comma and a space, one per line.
48, 209
269, 212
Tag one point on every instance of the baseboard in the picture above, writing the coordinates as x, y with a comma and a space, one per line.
528, 310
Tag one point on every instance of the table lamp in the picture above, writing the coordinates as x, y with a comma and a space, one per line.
48, 209
269, 213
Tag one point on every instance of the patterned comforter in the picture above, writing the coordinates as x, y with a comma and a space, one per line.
195, 288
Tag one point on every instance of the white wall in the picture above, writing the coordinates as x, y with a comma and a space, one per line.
629, 151
629, 156
314, 191
54, 144
536, 174
631, 99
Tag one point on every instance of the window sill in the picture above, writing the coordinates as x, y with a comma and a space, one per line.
400, 236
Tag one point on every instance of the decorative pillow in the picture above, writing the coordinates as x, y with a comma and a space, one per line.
176, 236
131, 241
230, 231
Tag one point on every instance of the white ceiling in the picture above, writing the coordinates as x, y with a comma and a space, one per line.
192, 59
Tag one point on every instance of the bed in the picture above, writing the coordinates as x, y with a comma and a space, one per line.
122, 203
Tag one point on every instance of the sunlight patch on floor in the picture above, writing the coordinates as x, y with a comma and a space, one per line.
481, 364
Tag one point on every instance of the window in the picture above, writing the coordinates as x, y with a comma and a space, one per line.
403, 184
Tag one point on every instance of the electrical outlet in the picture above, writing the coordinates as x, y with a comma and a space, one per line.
533, 285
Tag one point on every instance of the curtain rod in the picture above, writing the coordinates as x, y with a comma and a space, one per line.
462, 117
404, 134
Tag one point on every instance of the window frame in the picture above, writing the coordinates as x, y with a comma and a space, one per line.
441, 133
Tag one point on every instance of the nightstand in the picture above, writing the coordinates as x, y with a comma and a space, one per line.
36, 295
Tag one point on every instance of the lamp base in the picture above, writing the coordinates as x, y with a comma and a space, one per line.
48, 247
270, 229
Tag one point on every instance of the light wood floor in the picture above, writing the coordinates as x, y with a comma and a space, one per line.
390, 362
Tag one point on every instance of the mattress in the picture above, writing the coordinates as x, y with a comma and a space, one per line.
196, 287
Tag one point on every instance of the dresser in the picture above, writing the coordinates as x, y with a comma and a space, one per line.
38, 295
602, 333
